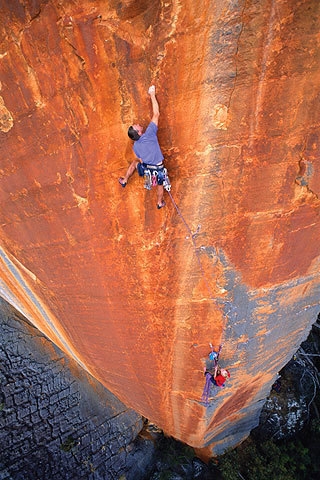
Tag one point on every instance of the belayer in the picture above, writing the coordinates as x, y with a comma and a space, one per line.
214, 374
149, 161
220, 376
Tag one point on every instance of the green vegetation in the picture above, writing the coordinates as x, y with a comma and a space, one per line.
270, 461
68, 444
174, 452
174, 459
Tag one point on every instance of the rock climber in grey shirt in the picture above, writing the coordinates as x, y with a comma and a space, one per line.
147, 150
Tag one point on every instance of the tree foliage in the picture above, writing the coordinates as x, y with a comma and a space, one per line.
271, 461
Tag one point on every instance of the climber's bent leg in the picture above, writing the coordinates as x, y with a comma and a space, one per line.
130, 171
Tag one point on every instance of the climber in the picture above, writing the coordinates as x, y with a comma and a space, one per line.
220, 376
149, 161
213, 373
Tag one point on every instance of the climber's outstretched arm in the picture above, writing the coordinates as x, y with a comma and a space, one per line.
155, 105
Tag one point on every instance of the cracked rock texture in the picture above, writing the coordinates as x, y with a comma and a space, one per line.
129, 292
56, 421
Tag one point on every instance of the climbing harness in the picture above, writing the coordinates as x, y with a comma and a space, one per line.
154, 175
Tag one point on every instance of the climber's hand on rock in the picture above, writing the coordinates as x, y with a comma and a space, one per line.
152, 90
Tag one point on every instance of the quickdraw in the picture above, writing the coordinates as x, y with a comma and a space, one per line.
156, 177
166, 181
147, 179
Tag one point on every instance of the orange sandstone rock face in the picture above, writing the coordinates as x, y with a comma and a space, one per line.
124, 288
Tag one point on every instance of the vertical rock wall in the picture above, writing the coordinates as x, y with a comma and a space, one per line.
125, 289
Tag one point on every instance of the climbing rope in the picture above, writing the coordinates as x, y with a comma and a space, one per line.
192, 235
213, 355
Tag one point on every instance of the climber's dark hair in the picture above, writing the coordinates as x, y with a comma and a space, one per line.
133, 134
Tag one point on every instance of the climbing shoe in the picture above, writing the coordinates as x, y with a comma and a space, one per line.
123, 184
162, 204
